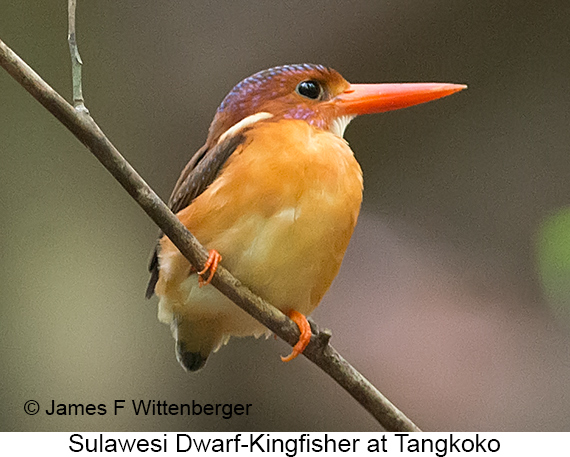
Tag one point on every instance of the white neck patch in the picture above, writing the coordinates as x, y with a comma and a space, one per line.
249, 120
339, 124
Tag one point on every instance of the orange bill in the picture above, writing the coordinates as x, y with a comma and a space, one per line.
377, 98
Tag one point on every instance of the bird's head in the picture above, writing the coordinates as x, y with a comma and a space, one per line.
317, 95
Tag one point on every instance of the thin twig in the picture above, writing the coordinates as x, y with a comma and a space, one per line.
318, 351
76, 62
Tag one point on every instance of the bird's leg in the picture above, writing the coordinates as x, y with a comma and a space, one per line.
305, 329
211, 264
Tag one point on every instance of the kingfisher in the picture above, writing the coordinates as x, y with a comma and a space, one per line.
274, 194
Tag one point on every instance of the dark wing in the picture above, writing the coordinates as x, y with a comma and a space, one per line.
198, 174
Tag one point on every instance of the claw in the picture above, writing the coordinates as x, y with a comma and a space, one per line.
305, 337
211, 264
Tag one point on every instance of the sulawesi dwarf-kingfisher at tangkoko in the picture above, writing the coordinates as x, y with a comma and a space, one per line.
274, 194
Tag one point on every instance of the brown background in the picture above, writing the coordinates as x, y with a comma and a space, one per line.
439, 301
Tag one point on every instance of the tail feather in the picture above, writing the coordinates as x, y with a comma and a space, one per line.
190, 361
195, 340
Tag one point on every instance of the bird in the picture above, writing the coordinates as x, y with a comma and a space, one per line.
274, 195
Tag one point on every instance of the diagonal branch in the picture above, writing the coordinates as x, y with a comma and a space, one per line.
318, 351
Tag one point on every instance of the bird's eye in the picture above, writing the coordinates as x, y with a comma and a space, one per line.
310, 89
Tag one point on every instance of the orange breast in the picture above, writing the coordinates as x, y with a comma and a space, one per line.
281, 213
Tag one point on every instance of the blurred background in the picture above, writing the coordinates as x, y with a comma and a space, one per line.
454, 296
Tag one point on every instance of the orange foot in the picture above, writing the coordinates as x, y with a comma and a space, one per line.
305, 337
211, 264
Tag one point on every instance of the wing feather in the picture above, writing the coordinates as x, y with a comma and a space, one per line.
198, 174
